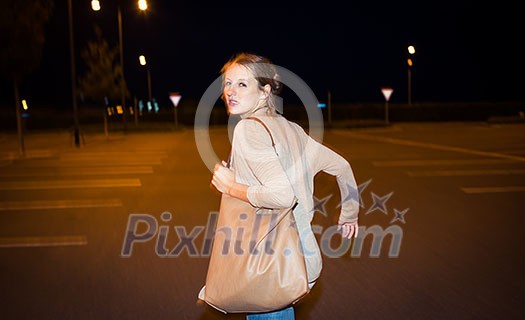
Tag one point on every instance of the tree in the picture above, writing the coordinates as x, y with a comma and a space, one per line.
104, 73
22, 35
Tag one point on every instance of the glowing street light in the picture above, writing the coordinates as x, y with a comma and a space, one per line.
95, 5
143, 5
411, 51
142, 61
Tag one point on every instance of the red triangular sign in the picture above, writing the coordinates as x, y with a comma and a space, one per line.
387, 92
175, 98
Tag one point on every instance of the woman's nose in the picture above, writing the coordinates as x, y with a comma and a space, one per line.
229, 92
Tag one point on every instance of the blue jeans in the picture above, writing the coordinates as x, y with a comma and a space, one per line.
284, 314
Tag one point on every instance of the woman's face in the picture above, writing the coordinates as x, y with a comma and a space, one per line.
241, 90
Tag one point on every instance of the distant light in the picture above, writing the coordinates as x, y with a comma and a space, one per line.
409, 61
120, 110
411, 49
143, 5
156, 106
142, 60
321, 105
24, 104
95, 5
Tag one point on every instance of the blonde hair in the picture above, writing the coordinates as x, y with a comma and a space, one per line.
263, 71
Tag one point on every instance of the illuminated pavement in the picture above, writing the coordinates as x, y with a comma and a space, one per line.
446, 196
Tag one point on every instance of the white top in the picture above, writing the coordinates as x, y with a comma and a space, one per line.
274, 180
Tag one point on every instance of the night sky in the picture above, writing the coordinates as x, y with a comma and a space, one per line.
465, 50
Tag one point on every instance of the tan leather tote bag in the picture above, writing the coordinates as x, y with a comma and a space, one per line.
256, 262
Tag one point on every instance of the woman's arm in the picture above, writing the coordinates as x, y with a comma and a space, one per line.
326, 160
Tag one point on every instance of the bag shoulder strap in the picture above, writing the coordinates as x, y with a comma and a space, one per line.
267, 130
273, 145
229, 162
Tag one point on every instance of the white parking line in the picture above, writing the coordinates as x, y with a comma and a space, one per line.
107, 162
448, 162
78, 171
24, 242
113, 155
69, 184
460, 173
29, 154
59, 204
435, 146
478, 190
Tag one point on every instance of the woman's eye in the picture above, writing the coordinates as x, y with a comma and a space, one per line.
227, 83
242, 84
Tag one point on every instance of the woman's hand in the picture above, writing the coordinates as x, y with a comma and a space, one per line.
223, 178
348, 229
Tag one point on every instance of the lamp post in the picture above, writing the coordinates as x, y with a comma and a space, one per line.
76, 129
411, 51
143, 5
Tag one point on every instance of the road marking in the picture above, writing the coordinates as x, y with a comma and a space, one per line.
25, 242
89, 163
153, 149
59, 204
69, 184
112, 155
436, 146
29, 154
79, 171
459, 173
449, 162
478, 190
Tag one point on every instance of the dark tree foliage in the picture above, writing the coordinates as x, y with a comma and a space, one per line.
104, 73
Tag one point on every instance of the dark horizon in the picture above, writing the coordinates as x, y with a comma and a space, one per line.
465, 51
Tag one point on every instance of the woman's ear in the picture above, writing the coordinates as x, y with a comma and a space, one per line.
266, 90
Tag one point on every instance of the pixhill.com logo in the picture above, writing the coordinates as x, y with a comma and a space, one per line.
145, 229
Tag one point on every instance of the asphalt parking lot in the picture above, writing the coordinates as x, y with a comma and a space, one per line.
441, 225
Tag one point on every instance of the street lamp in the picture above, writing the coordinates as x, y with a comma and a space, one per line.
142, 61
95, 5
411, 51
143, 5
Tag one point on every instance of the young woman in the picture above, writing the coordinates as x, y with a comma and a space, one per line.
274, 178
